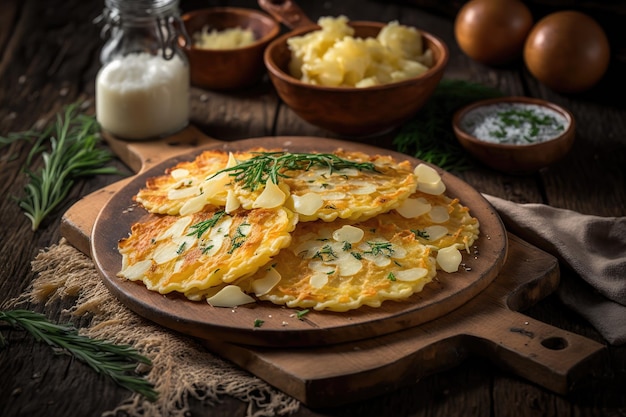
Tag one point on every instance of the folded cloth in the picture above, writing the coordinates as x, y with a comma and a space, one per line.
592, 246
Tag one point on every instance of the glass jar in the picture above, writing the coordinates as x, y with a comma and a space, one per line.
142, 89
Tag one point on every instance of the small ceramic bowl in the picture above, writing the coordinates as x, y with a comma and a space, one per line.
224, 69
522, 151
351, 111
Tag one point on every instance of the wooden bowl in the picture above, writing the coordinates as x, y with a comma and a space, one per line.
223, 69
516, 158
352, 111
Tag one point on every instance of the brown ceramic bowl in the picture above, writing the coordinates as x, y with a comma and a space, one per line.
515, 158
223, 69
352, 111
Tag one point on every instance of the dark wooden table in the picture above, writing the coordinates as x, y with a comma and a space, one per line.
49, 58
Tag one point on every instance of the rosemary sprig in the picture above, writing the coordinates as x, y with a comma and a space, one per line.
255, 171
200, 228
117, 362
69, 151
429, 135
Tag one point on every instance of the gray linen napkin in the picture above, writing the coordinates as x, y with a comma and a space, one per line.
592, 246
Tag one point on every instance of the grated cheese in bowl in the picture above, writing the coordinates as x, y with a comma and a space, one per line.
229, 38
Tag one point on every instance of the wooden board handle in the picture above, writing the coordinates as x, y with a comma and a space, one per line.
77, 222
546, 355
142, 155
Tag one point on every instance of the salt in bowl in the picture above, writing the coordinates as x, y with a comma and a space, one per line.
515, 135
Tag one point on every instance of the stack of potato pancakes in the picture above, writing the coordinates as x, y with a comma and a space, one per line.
328, 231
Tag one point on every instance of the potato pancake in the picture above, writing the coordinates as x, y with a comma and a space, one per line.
363, 188
191, 254
327, 231
166, 194
443, 222
345, 185
340, 266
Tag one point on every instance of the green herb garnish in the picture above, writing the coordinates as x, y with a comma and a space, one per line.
325, 254
429, 135
391, 277
380, 248
420, 233
258, 323
117, 362
264, 166
200, 228
239, 238
517, 118
357, 255
69, 150
300, 314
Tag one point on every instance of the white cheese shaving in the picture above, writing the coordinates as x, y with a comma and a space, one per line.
265, 284
307, 204
347, 233
271, 196
413, 207
230, 296
318, 280
439, 214
449, 259
412, 274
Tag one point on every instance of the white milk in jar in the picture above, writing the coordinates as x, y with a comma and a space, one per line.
140, 96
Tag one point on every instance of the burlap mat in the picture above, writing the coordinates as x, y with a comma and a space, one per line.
182, 369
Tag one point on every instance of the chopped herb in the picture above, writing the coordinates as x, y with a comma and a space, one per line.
325, 254
391, 277
181, 248
398, 263
420, 233
258, 323
239, 238
380, 248
357, 255
200, 228
347, 246
518, 118
264, 166
330, 272
207, 248
300, 314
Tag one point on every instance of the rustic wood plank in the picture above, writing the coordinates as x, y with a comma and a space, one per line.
40, 73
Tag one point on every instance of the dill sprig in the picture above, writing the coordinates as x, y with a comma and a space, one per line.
256, 171
68, 150
429, 135
117, 362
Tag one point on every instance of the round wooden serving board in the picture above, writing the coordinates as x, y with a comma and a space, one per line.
281, 327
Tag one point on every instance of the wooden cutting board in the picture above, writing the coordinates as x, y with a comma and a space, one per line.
346, 357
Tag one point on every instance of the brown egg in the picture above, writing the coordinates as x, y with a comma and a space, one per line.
567, 51
493, 31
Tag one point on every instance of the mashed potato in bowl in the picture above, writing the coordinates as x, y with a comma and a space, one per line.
332, 56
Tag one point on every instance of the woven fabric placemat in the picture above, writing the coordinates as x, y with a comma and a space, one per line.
181, 369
